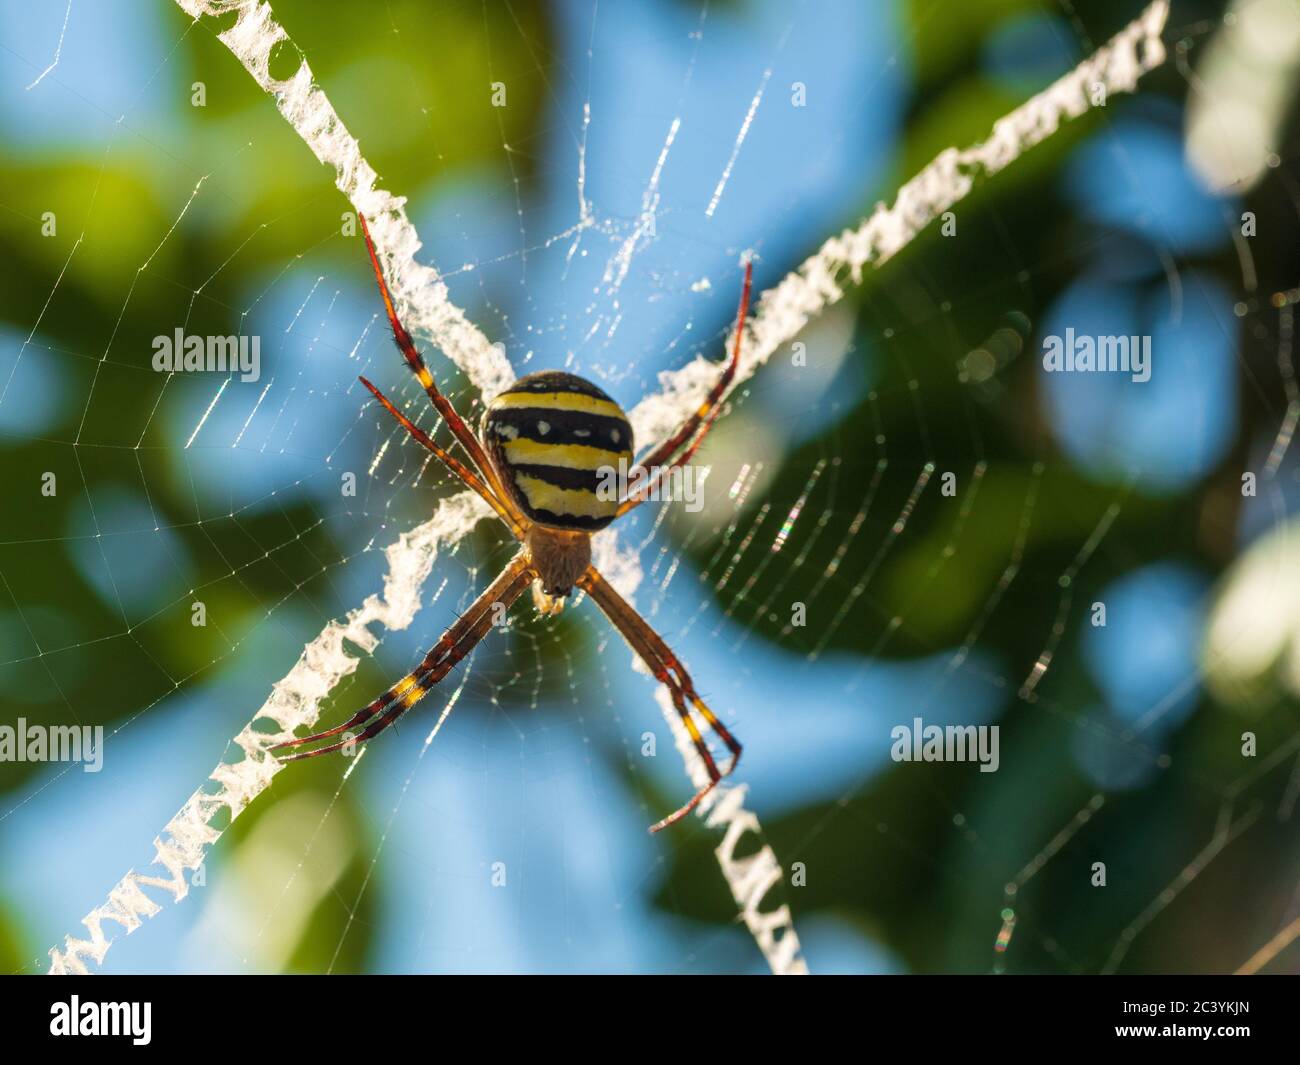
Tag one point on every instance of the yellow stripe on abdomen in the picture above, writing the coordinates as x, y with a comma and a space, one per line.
575, 502
570, 401
523, 452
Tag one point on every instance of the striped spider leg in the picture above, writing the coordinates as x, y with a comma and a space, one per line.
668, 671
508, 514
704, 415
457, 641
454, 645
415, 361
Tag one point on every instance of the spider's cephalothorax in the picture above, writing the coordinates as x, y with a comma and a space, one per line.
548, 447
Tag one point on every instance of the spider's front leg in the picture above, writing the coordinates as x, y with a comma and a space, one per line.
455, 644
697, 426
655, 653
505, 511
462, 432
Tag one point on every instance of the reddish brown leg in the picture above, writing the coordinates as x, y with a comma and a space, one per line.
652, 650
457, 642
704, 416
415, 361
452, 463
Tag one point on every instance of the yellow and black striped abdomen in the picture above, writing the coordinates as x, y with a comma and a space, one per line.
550, 435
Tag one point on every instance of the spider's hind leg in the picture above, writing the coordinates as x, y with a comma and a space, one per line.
710, 766
652, 650
457, 642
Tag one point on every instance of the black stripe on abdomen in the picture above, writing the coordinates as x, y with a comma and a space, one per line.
554, 426
562, 476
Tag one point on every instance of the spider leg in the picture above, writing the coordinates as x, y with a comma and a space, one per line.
468, 476
415, 361
669, 671
457, 642
704, 416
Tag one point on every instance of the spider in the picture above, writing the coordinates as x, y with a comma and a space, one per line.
535, 462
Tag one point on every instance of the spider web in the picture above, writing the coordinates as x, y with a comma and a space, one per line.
541, 769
